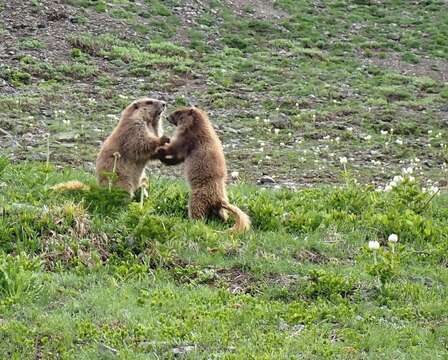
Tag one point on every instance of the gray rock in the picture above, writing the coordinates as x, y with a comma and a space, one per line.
67, 136
265, 179
280, 121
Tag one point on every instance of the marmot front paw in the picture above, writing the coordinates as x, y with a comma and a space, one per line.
160, 152
164, 140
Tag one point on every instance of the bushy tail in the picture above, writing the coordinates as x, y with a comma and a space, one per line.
70, 186
242, 220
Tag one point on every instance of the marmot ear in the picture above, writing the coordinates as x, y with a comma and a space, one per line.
191, 111
135, 106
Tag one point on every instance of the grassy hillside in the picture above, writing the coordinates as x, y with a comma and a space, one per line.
364, 79
292, 87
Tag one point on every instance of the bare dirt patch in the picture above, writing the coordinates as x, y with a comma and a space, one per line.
433, 68
259, 9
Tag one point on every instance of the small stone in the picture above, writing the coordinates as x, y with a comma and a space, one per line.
105, 349
67, 136
183, 349
282, 325
265, 179
281, 121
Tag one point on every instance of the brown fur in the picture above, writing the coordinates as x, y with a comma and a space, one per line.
135, 139
196, 143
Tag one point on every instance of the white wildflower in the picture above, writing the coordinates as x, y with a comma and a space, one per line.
343, 160
374, 245
276, 131
399, 142
433, 189
384, 132
393, 238
388, 188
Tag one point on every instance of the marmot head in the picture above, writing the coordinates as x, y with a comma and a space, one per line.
187, 117
150, 111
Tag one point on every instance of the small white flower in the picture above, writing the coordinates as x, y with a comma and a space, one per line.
343, 160
337, 139
326, 137
408, 171
411, 178
276, 131
234, 175
349, 129
399, 141
277, 109
433, 189
384, 132
429, 132
388, 188
257, 118
368, 137
393, 238
374, 245
393, 184
398, 179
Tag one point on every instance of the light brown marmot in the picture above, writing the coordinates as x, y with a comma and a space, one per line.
196, 143
131, 145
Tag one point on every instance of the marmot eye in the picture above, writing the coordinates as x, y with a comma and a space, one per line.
149, 102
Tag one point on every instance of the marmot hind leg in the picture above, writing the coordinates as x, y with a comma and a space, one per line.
198, 208
125, 185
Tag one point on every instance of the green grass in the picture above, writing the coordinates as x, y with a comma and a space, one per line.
91, 275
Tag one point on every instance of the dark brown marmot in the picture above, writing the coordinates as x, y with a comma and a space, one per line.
131, 145
196, 143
